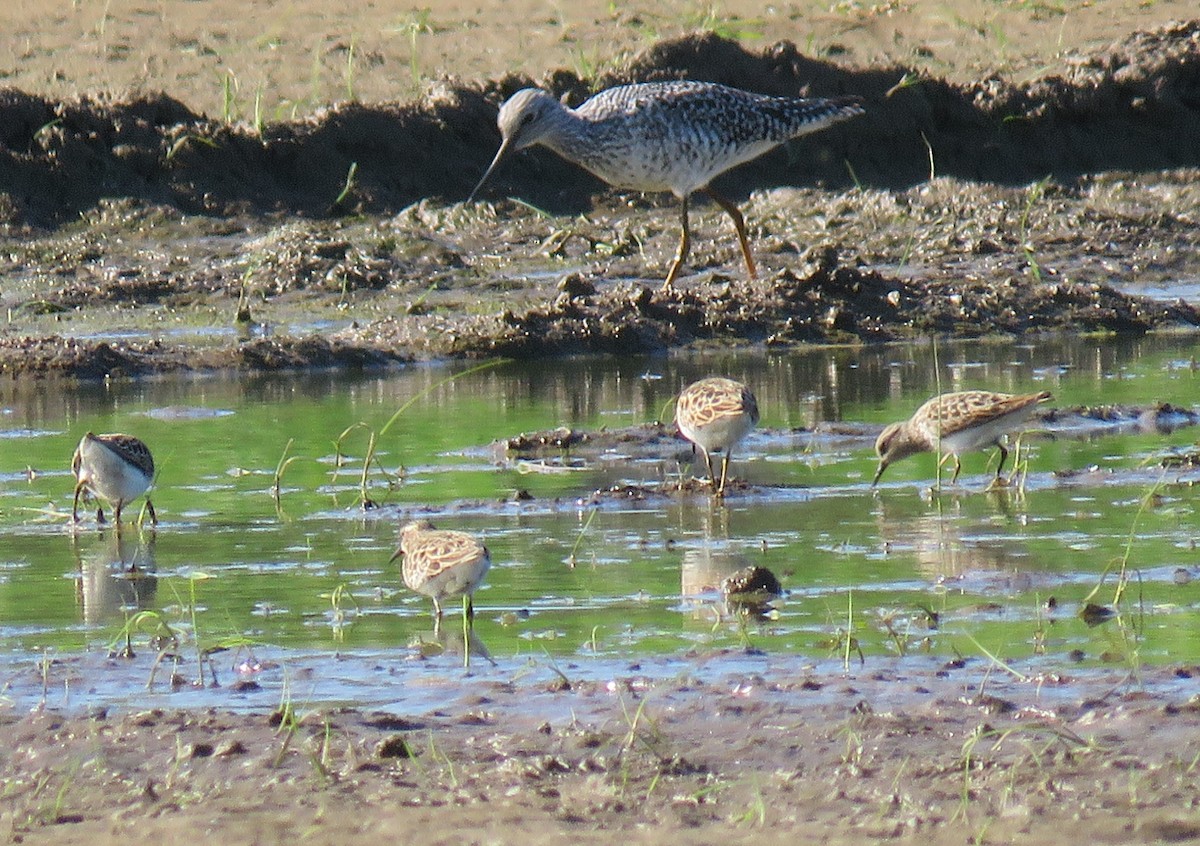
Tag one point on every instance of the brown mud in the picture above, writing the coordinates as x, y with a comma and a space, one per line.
890, 752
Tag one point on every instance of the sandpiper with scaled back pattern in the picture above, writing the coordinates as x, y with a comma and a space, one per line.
956, 423
116, 468
715, 414
442, 564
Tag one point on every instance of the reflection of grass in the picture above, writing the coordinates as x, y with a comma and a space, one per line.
1130, 626
338, 620
571, 559
374, 435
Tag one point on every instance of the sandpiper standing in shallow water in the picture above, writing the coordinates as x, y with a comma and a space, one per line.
442, 564
665, 136
715, 414
116, 468
955, 423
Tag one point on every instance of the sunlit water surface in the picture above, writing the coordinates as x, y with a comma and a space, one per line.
305, 577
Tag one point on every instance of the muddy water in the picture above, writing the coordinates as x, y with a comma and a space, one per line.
302, 580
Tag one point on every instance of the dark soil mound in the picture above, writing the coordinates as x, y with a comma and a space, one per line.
1133, 106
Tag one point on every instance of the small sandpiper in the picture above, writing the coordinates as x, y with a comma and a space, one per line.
116, 468
665, 136
955, 423
442, 564
715, 414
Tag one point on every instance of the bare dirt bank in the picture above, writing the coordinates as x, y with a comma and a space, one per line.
1131, 106
940, 755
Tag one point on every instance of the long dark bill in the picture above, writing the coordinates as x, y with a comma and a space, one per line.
501, 155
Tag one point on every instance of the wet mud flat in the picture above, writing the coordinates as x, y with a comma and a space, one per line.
719, 747
141, 237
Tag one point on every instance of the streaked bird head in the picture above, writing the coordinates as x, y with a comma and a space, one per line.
524, 120
889, 447
408, 535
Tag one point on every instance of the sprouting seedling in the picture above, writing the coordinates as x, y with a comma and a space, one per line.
229, 86
288, 720
348, 187
643, 730
908, 80
370, 458
756, 812
152, 622
1035, 193
850, 639
437, 755
340, 454
415, 306
374, 436
937, 381
45, 129
44, 666
858, 184
731, 28
487, 365
242, 316
571, 560
319, 758
997, 662
201, 655
1122, 563
350, 70
929, 150
183, 140
258, 116
285, 461
417, 24
338, 599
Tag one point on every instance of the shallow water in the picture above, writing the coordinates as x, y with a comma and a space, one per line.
606, 582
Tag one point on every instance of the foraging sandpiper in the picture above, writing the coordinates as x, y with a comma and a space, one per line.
665, 136
116, 468
715, 414
955, 423
442, 564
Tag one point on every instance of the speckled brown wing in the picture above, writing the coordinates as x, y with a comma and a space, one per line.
131, 449
710, 400
435, 552
966, 409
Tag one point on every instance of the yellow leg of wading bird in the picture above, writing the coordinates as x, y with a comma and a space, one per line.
665, 136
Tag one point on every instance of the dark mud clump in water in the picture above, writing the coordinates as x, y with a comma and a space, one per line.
102, 359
